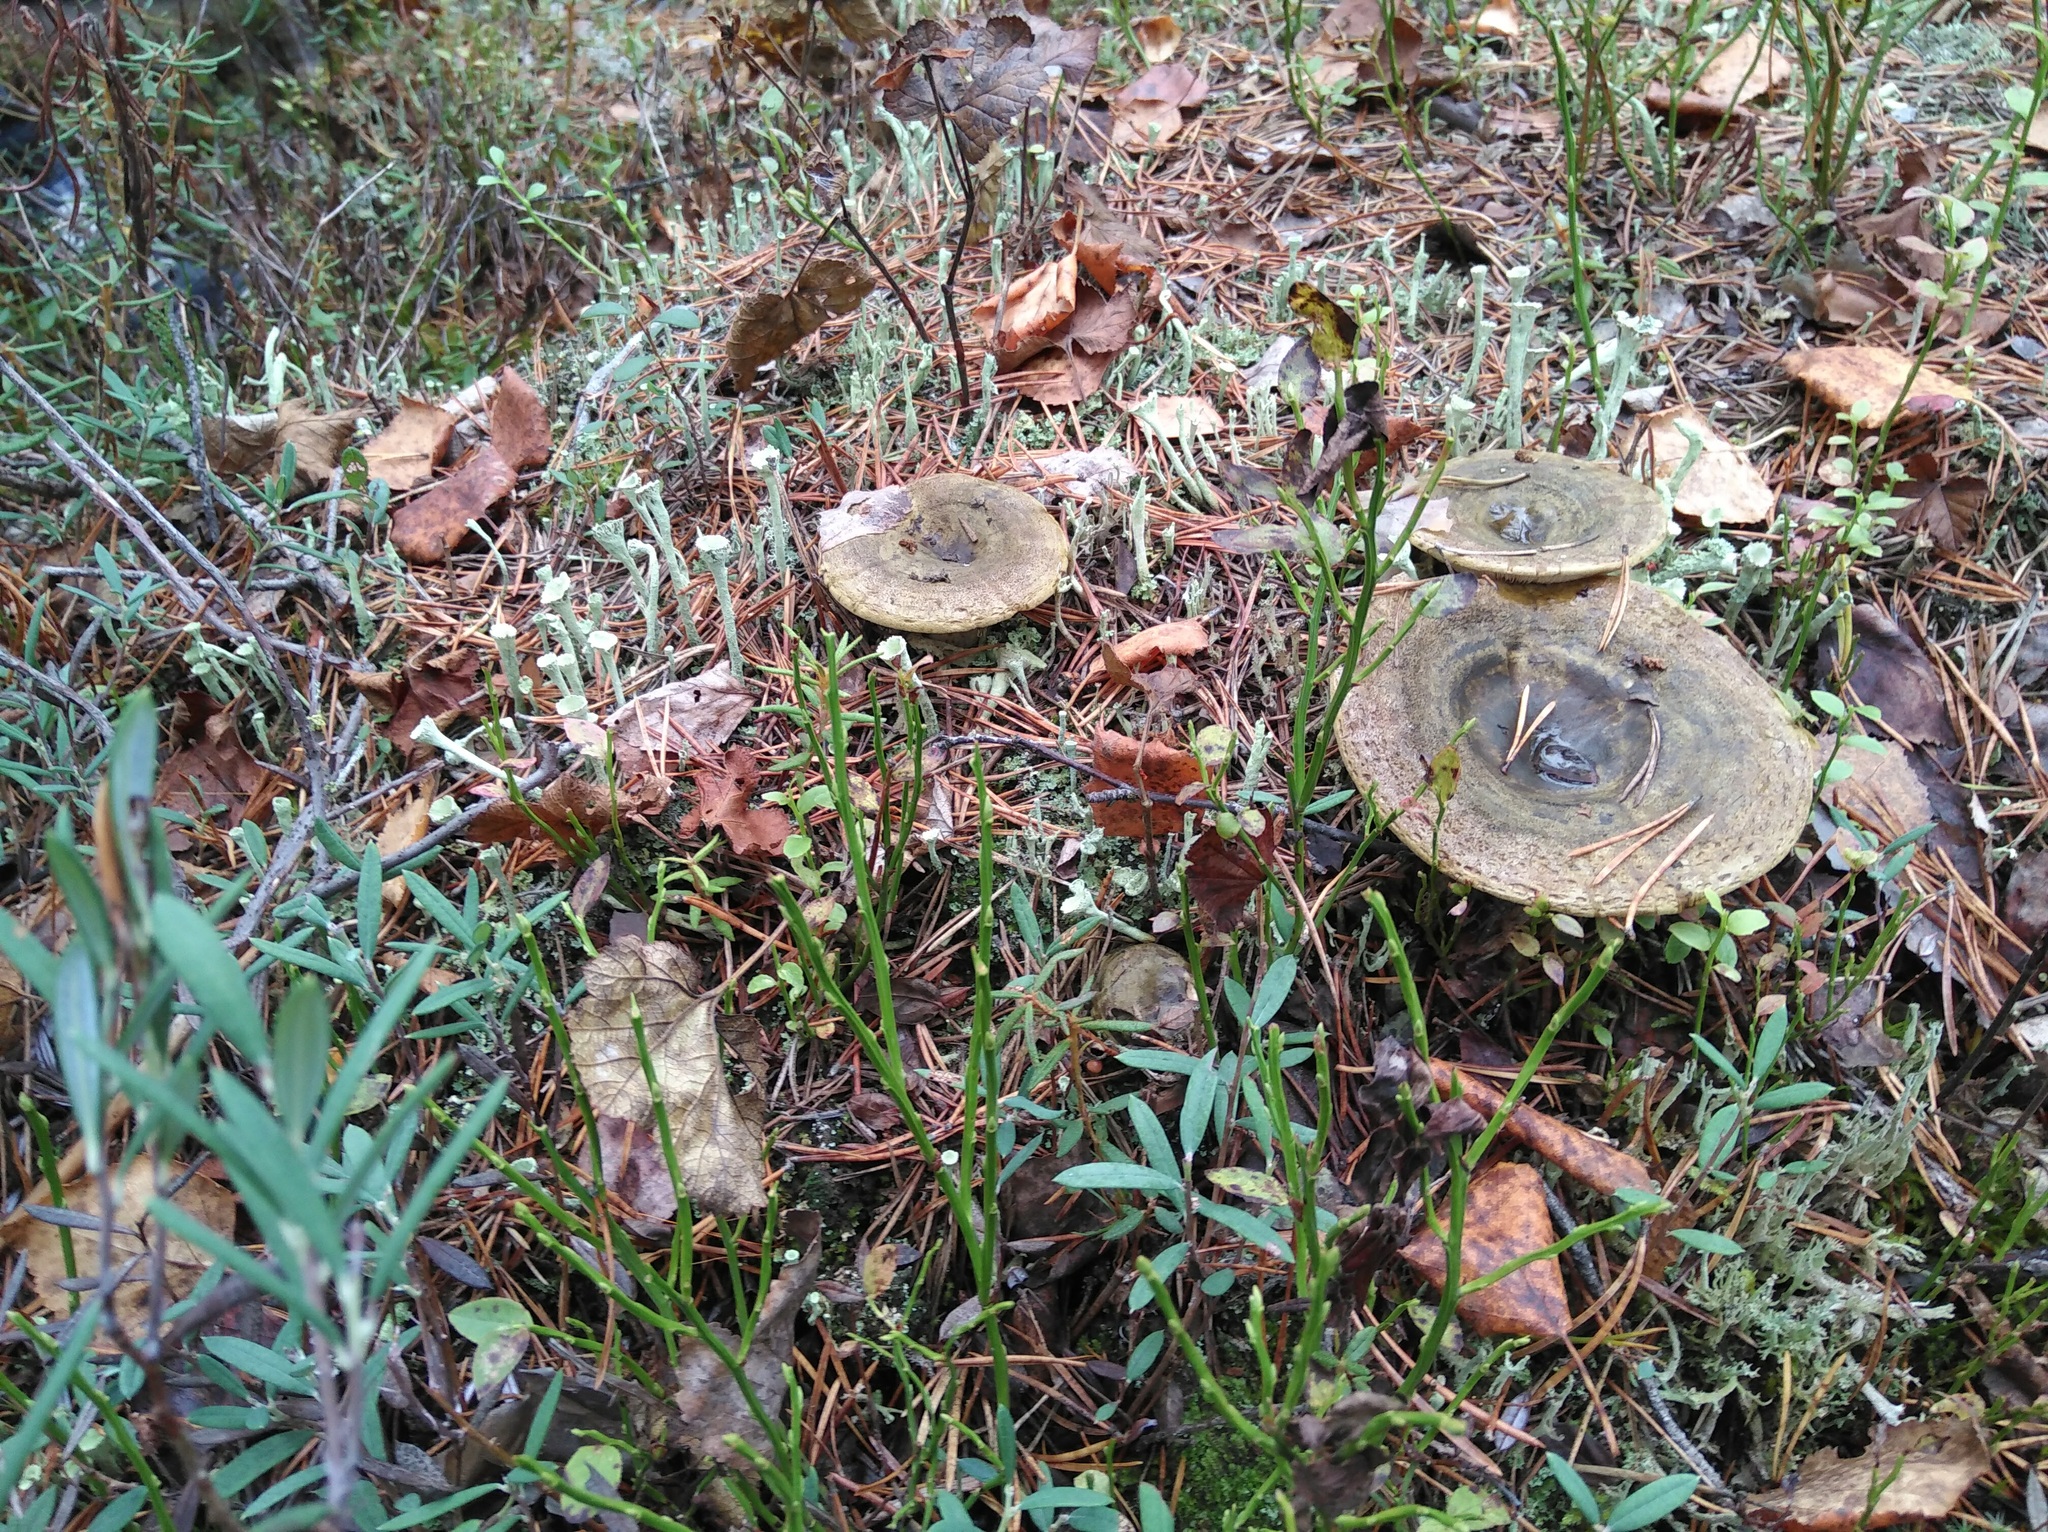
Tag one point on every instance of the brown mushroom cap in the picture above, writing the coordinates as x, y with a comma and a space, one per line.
1538, 518
1723, 745
949, 554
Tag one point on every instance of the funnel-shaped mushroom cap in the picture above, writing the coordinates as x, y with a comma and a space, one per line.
948, 554
1539, 518
1670, 724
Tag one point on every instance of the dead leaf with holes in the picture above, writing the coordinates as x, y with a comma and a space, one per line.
1721, 486
988, 70
405, 453
1161, 769
718, 1145
684, 720
1743, 70
137, 1239
1918, 1472
428, 529
1877, 379
771, 322
1505, 1218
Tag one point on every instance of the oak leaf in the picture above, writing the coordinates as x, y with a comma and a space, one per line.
717, 1145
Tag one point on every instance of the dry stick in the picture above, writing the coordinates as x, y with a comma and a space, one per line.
1628, 923
209, 512
1649, 827
949, 136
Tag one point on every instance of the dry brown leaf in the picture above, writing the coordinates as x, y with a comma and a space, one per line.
1150, 983
684, 720
635, 1166
204, 1200
1498, 19
1158, 37
441, 690
405, 453
717, 1145
1141, 125
1178, 417
1169, 85
402, 826
428, 529
1033, 307
1882, 791
248, 444
1875, 377
211, 769
519, 423
722, 793
2037, 131
1158, 767
1579, 1155
1059, 377
769, 323
709, 1401
1722, 484
1893, 673
988, 72
861, 20
1917, 1472
1104, 244
1505, 1218
1743, 70
1149, 648
570, 809
1846, 299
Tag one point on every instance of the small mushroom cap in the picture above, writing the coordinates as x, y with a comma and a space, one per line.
1723, 746
948, 554
1538, 518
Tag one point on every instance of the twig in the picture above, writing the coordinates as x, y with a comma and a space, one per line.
1647, 1376
209, 510
61, 692
951, 137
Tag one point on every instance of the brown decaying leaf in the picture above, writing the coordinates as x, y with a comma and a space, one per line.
428, 529
860, 20
769, 323
519, 422
722, 793
1149, 648
2037, 131
439, 691
718, 1147
1032, 308
1498, 19
212, 769
635, 1167
1164, 769
1103, 243
1917, 1472
248, 444
1225, 875
210, 1203
402, 826
708, 1399
405, 453
1579, 1155
1844, 298
684, 720
571, 809
1150, 983
1842, 377
1178, 417
1505, 1217
2026, 895
988, 72
1158, 37
1722, 483
1892, 673
1743, 70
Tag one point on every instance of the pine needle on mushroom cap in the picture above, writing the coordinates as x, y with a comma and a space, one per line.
1722, 746
1540, 518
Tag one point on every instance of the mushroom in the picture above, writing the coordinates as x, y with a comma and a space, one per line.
1538, 518
947, 554
1638, 776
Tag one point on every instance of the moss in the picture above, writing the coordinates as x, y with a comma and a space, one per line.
1223, 1474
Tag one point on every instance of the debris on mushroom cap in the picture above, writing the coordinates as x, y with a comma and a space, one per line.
1538, 518
947, 554
1635, 778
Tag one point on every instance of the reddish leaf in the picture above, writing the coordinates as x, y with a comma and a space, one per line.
519, 423
571, 809
430, 528
1157, 767
212, 769
437, 691
1579, 1155
1224, 875
1148, 650
1505, 1217
722, 794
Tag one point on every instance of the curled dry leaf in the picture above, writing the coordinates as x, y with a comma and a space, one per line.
1103, 243
569, 811
769, 323
428, 529
519, 422
1498, 19
137, 1238
709, 1401
718, 1147
1745, 69
988, 72
1505, 1218
1722, 485
1915, 1473
402, 826
405, 453
1149, 649
249, 444
722, 793
1031, 309
1158, 37
1879, 379
1178, 417
1579, 1155
1160, 768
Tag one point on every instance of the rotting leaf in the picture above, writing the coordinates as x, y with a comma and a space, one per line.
1165, 771
718, 1147
635, 1167
1722, 484
1893, 673
1579, 1155
722, 793
1225, 874
1744, 69
1104, 244
1917, 1472
1498, 19
1147, 982
573, 809
1150, 648
1879, 379
213, 769
769, 323
405, 453
988, 72
136, 1239
1149, 112
519, 423
1178, 417
428, 529
439, 690
709, 1400
248, 444
1333, 331
684, 720
1505, 1218
1033, 306
860, 20
402, 826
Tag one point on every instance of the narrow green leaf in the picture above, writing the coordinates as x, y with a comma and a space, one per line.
1196, 1105
298, 1068
1575, 1487
75, 1019
196, 952
1105, 1175
1653, 1502
1799, 1094
1152, 1135
1703, 1239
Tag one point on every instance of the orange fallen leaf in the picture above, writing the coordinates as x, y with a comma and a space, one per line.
519, 423
405, 453
1877, 378
1148, 649
1505, 1218
1105, 245
1158, 767
569, 810
1917, 1472
1579, 1155
427, 530
404, 825
1033, 307
722, 793
1498, 19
